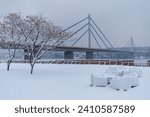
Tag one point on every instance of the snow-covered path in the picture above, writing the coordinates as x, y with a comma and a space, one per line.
53, 81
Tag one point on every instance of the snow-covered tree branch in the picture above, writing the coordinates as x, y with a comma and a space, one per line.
33, 33
10, 37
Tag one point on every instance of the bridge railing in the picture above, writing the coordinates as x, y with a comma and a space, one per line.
96, 62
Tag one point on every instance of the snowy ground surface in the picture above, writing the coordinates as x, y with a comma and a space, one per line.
53, 81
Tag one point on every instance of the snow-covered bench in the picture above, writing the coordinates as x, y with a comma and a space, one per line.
134, 79
136, 70
120, 83
117, 78
98, 81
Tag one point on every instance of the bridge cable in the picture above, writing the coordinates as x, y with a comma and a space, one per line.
130, 43
73, 34
79, 38
99, 36
127, 44
95, 39
69, 28
102, 33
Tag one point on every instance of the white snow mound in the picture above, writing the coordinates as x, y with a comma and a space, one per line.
118, 78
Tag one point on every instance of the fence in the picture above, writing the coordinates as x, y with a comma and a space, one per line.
95, 62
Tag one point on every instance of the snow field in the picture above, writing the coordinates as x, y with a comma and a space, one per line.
53, 81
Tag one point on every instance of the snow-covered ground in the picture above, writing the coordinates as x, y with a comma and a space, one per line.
53, 81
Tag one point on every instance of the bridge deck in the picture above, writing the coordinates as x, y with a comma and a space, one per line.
80, 49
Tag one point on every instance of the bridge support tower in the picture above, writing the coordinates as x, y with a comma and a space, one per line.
89, 54
68, 55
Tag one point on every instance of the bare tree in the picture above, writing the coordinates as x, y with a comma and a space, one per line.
10, 37
32, 33
39, 36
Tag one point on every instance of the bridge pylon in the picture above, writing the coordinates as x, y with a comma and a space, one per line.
81, 28
89, 30
130, 45
84, 29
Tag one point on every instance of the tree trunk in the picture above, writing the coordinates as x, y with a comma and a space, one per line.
32, 67
8, 65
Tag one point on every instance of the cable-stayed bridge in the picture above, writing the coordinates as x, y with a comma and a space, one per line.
86, 37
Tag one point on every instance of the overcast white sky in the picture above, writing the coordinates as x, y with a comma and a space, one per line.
118, 19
